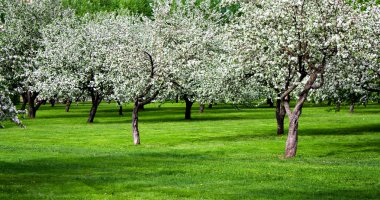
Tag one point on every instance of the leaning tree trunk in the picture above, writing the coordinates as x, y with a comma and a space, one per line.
95, 99
68, 105
189, 104
135, 125
280, 116
292, 140
201, 108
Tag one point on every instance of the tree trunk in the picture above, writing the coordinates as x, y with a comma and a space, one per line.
280, 116
141, 108
270, 102
31, 104
210, 105
201, 108
120, 108
292, 140
352, 107
337, 106
189, 104
95, 99
52, 102
24, 100
135, 125
68, 104
177, 98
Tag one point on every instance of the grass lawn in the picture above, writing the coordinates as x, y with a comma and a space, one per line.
223, 153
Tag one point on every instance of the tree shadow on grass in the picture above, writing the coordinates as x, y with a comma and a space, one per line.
136, 171
352, 130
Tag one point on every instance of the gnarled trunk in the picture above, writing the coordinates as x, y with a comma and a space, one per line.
292, 140
135, 125
189, 104
95, 100
280, 116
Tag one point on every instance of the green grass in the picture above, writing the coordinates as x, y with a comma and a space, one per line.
82, 7
223, 153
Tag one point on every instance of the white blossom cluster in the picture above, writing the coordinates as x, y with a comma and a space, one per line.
283, 44
128, 57
7, 110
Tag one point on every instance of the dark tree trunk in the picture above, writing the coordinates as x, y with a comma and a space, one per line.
201, 108
210, 105
135, 125
177, 98
189, 104
32, 108
280, 116
52, 102
270, 102
329, 102
120, 108
95, 99
352, 107
337, 106
141, 108
68, 105
24, 100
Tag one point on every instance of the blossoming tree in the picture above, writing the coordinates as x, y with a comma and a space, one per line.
291, 46
20, 40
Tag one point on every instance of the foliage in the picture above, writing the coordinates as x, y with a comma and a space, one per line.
7, 110
92, 6
21, 37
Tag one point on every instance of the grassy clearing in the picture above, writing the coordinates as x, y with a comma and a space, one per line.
223, 153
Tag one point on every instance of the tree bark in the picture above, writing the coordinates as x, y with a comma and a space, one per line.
189, 104
135, 125
352, 107
141, 107
270, 102
337, 106
52, 102
120, 108
201, 108
24, 100
280, 116
68, 105
31, 104
95, 100
292, 140
210, 105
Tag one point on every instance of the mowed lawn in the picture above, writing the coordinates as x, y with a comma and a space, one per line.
223, 153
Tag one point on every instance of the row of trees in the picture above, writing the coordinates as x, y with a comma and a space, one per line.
285, 50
